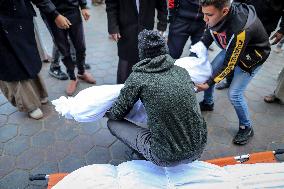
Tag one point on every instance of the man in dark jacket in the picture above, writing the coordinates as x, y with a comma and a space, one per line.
20, 64
126, 18
237, 30
269, 12
72, 10
177, 131
186, 20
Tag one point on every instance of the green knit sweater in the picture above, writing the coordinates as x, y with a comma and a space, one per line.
174, 119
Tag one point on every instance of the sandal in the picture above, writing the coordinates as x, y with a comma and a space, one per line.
271, 99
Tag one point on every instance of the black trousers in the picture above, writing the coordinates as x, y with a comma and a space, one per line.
179, 32
138, 139
76, 34
124, 69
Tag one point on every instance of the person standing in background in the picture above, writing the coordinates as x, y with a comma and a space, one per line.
20, 81
126, 18
186, 20
73, 28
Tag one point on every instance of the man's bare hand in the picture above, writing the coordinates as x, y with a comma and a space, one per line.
86, 14
202, 87
62, 22
115, 36
277, 38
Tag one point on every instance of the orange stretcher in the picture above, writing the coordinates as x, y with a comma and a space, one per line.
259, 157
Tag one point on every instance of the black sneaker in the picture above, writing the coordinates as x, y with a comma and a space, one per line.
222, 85
243, 136
206, 107
58, 74
87, 66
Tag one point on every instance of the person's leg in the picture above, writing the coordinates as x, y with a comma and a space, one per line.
208, 100
55, 69
76, 34
135, 137
236, 95
196, 33
73, 55
278, 95
41, 48
177, 38
60, 38
124, 69
278, 48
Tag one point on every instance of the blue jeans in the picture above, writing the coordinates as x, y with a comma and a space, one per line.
236, 91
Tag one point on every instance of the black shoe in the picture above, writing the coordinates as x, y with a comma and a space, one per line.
222, 85
58, 74
243, 136
87, 66
206, 107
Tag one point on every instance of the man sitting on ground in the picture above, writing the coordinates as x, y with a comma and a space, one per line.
177, 131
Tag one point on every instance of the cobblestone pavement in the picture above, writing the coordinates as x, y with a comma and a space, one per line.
55, 144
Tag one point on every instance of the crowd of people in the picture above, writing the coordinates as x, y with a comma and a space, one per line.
176, 129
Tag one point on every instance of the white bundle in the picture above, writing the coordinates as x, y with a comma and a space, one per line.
199, 68
92, 103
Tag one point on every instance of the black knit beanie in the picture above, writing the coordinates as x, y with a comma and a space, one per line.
151, 44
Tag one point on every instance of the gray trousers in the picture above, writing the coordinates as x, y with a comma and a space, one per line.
139, 139
279, 91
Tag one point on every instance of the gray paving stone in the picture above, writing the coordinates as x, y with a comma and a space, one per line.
257, 107
3, 99
104, 138
102, 123
21, 177
3, 120
30, 158
8, 132
54, 121
43, 139
66, 133
18, 118
29, 128
98, 155
89, 128
264, 119
58, 151
7, 109
39, 185
82, 144
17, 146
216, 120
46, 168
118, 150
71, 163
7, 164
1, 148
231, 116
220, 135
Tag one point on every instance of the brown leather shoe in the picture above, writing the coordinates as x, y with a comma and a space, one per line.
87, 77
71, 87
272, 99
